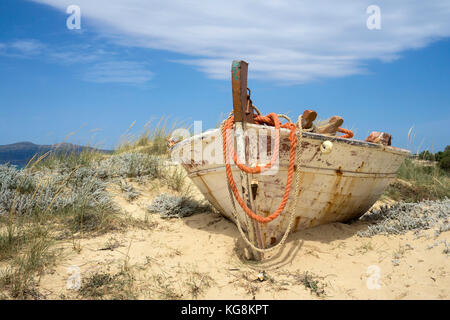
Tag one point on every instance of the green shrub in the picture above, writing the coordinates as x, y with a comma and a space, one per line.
444, 163
426, 155
444, 159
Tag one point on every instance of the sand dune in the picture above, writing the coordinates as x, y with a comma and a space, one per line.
202, 257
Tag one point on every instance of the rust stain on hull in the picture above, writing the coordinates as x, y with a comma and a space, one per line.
297, 220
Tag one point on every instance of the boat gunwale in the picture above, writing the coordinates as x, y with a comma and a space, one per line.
312, 135
304, 168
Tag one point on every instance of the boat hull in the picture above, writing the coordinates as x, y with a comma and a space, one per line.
335, 186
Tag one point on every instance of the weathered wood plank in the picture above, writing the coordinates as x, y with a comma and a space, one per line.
239, 71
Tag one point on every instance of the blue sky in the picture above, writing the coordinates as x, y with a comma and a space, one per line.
173, 58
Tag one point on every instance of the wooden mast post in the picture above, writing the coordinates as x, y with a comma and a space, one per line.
242, 116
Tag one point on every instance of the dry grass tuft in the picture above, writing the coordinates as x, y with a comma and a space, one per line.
418, 182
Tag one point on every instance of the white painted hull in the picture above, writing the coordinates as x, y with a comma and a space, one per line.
337, 186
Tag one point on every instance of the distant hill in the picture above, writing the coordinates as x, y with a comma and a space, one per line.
20, 153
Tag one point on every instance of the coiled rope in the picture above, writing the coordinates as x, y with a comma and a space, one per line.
292, 209
272, 120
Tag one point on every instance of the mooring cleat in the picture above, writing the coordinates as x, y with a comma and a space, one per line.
380, 138
332, 126
307, 118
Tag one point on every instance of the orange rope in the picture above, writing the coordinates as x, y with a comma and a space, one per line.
348, 133
272, 120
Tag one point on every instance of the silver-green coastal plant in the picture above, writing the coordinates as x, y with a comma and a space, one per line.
130, 165
129, 191
174, 206
79, 194
403, 217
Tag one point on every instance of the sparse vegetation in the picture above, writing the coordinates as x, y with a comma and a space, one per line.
418, 182
153, 140
111, 244
28, 248
101, 285
173, 206
129, 191
442, 158
176, 180
69, 158
34, 206
197, 282
403, 217
311, 282
63, 195
130, 165
164, 287
426, 155
365, 247
77, 199
446, 249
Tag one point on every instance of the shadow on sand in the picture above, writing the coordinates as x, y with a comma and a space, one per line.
215, 223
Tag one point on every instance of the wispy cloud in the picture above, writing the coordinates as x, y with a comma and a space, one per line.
27, 47
73, 56
289, 40
22, 48
96, 64
128, 72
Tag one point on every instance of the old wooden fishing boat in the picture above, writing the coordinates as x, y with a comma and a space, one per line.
333, 178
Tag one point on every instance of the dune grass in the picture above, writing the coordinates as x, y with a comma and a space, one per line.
152, 140
36, 209
418, 182
62, 195
67, 157
28, 249
102, 285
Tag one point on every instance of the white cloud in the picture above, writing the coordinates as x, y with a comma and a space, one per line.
93, 62
291, 40
70, 57
128, 72
83, 54
28, 47
22, 47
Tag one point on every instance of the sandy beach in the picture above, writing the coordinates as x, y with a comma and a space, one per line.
201, 257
